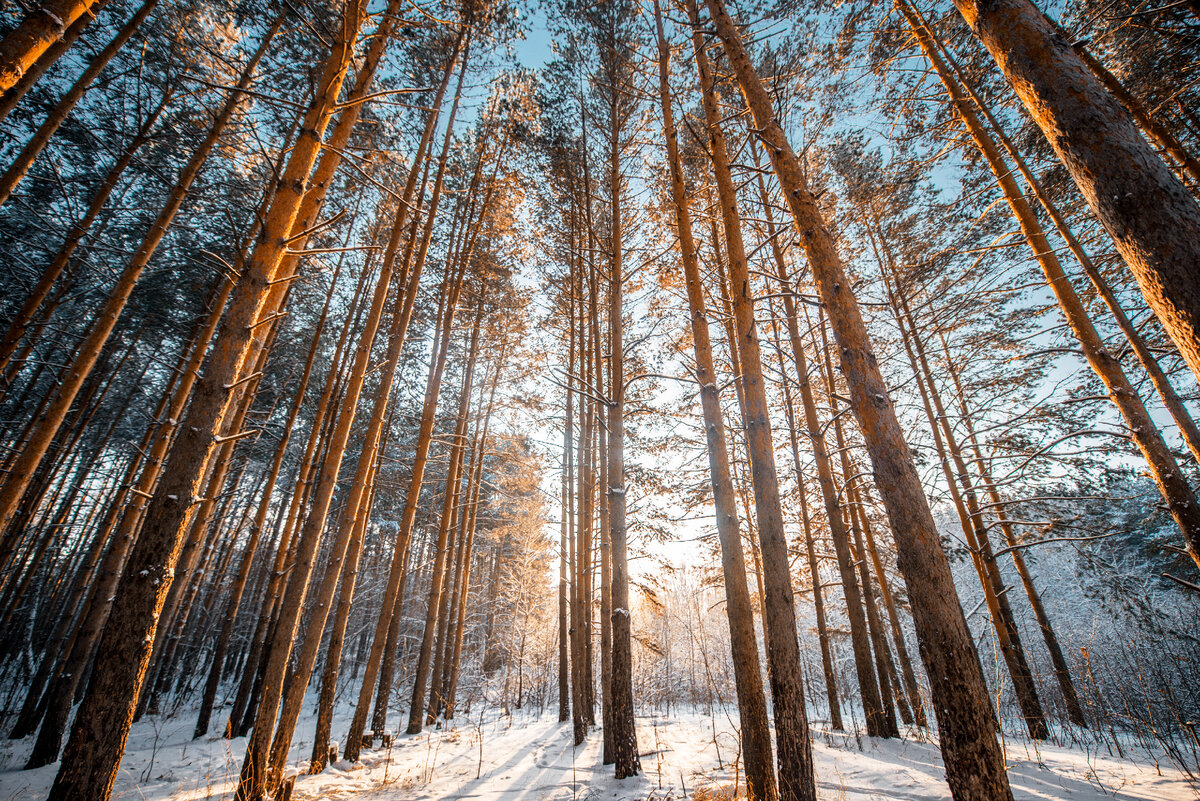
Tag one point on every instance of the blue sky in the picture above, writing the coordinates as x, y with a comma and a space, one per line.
535, 51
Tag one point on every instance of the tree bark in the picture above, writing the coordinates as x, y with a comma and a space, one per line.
263, 771
21, 48
1180, 500
831, 690
752, 704
471, 521
1174, 404
1153, 219
973, 758
24, 160
93, 753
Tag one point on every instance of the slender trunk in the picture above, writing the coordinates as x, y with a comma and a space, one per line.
1180, 500
570, 524
1157, 133
973, 758
381, 660
564, 627
266, 752
89, 350
221, 645
472, 517
239, 719
393, 591
337, 636
795, 763
854, 515
583, 520
21, 48
93, 753
24, 160
624, 733
1151, 216
354, 523
582, 505
598, 446
911, 687
447, 633
752, 703
565, 623
831, 691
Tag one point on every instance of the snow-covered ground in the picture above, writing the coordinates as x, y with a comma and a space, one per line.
526, 758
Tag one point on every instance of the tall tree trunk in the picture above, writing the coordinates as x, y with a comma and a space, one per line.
571, 524
239, 719
471, 520
21, 48
337, 636
24, 160
584, 528
564, 579
911, 687
752, 703
394, 591
814, 570
582, 508
624, 733
89, 350
852, 511
1151, 216
221, 645
262, 770
93, 752
973, 758
793, 742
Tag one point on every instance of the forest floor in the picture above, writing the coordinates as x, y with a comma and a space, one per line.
524, 757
